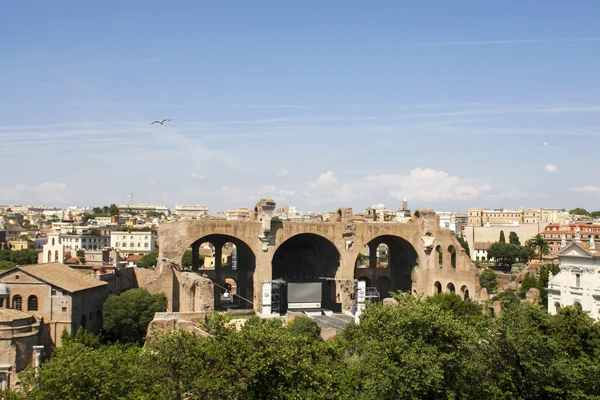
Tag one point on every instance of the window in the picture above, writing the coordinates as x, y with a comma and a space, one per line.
98, 313
53, 292
146, 245
91, 314
578, 280
139, 245
117, 244
18, 303
64, 309
17, 277
131, 244
32, 303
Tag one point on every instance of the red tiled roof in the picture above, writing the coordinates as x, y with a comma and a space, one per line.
482, 245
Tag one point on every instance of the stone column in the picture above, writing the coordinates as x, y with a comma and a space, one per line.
373, 255
195, 256
37, 358
5, 376
218, 267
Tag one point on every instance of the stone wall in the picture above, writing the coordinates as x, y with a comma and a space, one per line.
422, 233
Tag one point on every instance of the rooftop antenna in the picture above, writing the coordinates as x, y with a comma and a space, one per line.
131, 197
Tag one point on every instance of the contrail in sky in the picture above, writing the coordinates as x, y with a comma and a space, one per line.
492, 42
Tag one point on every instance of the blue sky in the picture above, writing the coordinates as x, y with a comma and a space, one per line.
315, 104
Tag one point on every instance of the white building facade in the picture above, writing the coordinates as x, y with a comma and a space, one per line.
85, 242
578, 282
53, 250
135, 242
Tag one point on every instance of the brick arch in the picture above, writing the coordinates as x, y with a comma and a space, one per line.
308, 257
284, 238
403, 257
178, 243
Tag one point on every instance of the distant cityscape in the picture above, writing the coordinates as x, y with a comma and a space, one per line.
85, 230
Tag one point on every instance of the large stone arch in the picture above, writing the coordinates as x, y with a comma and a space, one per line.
243, 273
398, 273
309, 257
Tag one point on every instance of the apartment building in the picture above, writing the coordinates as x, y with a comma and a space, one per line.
85, 242
557, 235
134, 242
191, 211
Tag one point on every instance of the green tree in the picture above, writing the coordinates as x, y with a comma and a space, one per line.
544, 276
362, 259
89, 216
149, 260
527, 253
513, 238
126, 316
595, 214
113, 210
306, 328
25, 238
505, 253
579, 211
5, 254
537, 356
82, 336
415, 350
453, 303
72, 373
540, 244
23, 257
186, 261
489, 280
4, 265
529, 281
502, 238
464, 244
508, 299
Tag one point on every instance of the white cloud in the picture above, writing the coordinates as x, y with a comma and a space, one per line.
551, 168
45, 192
196, 176
325, 179
510, 195
277, 194
585, 189
421, 184
282, 172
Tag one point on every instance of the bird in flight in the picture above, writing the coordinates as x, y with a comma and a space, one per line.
160, 122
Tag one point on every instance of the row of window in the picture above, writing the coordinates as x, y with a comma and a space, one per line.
146, 245
139, 238
17, 303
